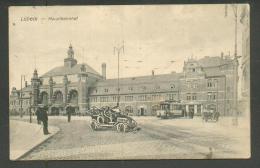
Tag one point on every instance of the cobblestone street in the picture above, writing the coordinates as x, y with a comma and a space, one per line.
172, 138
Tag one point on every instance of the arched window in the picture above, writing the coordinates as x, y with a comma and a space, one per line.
44, 98
58, 97
73, 97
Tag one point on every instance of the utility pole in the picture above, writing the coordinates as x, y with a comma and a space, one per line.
235, 66
21, 96
235, 110
118, 50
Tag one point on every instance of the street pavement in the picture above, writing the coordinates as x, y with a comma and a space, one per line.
24, 136
157, 139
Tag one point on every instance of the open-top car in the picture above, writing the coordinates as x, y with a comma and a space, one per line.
107, 117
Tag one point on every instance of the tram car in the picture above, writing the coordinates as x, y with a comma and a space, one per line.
170, 109
107, 117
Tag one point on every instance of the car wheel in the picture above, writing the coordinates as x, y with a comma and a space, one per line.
120, 127
93, 125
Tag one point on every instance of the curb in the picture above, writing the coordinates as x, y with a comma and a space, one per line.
26, 153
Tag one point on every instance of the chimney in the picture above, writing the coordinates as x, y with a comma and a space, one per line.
152, 72
104, 70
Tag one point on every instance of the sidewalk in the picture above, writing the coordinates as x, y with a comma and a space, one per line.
24, 136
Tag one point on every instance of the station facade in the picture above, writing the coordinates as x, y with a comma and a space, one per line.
209, 80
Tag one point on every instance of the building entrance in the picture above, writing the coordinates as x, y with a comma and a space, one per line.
142, 111
55, 111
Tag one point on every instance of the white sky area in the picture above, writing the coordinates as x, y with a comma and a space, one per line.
153, 34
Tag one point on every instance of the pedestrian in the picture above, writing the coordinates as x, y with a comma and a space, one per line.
44, 118
38, 115
192, 114
69, 113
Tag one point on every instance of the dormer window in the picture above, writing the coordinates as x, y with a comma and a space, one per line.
106, 90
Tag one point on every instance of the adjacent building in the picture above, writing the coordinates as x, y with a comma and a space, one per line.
209, 80
245, 61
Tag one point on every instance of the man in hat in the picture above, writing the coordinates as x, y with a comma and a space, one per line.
69, 113
44, 118
38, 115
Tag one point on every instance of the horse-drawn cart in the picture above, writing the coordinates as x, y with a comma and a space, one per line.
210, 113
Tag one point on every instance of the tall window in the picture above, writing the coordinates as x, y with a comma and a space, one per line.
194, 96
212, 83
212, 95
58, 97
128, 98
142, 97
188, 96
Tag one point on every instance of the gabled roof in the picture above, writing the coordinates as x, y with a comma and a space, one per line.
62, 70
213, 61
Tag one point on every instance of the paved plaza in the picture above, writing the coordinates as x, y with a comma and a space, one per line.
157, 139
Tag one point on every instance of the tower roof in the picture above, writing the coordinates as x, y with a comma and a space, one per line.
61, 70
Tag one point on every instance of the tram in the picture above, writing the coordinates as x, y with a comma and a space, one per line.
170, 109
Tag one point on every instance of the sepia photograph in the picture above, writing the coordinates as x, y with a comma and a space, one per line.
129, 82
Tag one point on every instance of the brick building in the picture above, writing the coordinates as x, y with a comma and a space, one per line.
209, 80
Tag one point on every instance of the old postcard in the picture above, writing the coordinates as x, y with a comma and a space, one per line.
124, 82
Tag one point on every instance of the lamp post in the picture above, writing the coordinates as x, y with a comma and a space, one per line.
118, 50
21, 96
235, 70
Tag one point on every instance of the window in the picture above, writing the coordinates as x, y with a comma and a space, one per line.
104, 99
106, 90
128, 98
212, 83
142, 97
209, 83
114, 98
93, 99
194, 97
188, 84
188, 96
171, 96
130, 88
212, 95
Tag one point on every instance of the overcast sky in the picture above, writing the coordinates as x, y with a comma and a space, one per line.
153, 36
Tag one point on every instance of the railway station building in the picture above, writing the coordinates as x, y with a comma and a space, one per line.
209, 80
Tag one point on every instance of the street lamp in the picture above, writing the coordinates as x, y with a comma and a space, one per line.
21, 96
235, 71
118, 50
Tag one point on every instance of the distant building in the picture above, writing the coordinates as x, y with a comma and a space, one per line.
209, 80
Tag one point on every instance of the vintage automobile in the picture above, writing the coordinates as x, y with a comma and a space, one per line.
210, 113
170, 109
107, 117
